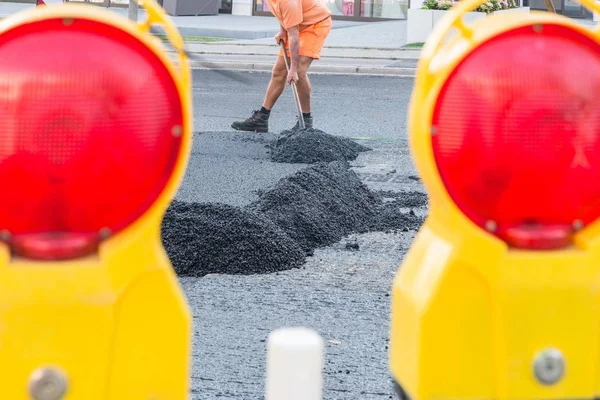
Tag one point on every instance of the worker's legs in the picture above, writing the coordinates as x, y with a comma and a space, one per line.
312, 40
304, 91
311, 43
276, 85
303, 85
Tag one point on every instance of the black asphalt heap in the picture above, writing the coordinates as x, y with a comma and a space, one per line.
315, 207
210, 238
318, 206
309, 146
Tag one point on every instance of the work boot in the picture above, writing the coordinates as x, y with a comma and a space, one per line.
258, 122
308, 123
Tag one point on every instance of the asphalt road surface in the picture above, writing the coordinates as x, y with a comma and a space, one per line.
341, 293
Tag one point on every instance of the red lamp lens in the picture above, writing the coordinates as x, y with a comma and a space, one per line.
90, 124
517, 135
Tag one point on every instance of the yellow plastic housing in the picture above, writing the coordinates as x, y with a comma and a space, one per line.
116, 324
470, 315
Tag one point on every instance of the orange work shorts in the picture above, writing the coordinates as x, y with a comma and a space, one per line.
311, 40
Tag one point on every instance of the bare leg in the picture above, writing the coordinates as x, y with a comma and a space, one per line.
303, 85
276, 85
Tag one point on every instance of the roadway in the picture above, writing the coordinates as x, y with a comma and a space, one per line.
340, 292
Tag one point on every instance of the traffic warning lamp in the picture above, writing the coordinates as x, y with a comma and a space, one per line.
95, 124
498, 296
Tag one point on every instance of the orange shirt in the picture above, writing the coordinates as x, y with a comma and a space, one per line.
298, 12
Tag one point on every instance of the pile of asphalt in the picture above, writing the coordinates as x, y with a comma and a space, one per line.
315, 207
318, 206
207, 238
309, 146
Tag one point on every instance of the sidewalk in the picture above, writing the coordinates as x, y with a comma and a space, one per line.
335, 59
368, 48
375, 48
247, 44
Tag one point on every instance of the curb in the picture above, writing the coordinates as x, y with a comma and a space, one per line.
392, 58
316, 69
236, 43
337, 47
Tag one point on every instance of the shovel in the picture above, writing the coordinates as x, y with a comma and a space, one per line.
294, 90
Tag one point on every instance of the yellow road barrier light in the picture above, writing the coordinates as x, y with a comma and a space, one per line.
498, 297
95, 134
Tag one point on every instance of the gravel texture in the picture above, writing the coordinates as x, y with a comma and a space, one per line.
315, 207
217, 238
405, 199
319, 205
311, 146
392, 218
341, 293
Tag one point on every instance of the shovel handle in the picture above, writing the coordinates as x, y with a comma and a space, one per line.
294, 89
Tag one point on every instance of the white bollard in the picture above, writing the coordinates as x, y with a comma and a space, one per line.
294, 365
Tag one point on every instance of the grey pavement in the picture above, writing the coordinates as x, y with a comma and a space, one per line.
344, 60
353, 48
342, 294
366, 35
363, 48
374, 49
355, 107
366, 49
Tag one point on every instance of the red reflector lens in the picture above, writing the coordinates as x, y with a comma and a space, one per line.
517, 135
90, 123
538, 236
54, 246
